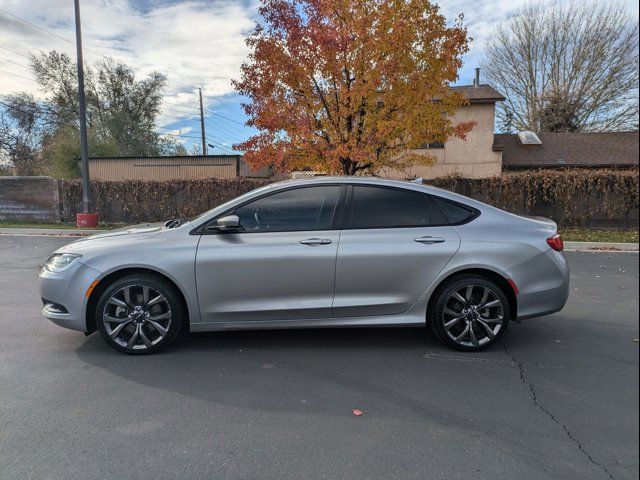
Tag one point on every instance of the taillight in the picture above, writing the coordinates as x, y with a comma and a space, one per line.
556, 243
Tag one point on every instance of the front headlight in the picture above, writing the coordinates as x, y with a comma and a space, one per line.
59, 262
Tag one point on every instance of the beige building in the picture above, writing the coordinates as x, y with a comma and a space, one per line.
185, 167
474, 157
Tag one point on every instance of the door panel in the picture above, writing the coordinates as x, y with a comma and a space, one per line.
384, 271
279, 265
266, 276
390, 252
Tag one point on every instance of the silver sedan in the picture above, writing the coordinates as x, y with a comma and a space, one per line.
329, 252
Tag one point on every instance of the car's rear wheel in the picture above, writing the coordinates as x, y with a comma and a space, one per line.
470, 313
139, 313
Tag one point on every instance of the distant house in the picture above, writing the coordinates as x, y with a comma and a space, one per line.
563, 150
474, 157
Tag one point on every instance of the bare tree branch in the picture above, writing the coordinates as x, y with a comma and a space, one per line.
566, 67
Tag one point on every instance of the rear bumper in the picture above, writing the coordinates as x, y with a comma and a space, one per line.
67, 289
543, 284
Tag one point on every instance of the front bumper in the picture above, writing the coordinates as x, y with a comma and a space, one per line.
67, 289
543, 284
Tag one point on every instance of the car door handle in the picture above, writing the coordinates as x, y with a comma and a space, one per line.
315, 241
429, 240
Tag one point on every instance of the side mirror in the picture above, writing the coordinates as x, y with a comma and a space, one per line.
230, 222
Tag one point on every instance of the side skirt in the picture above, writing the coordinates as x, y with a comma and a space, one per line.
414, 317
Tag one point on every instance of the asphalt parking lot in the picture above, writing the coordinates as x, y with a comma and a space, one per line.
559, 399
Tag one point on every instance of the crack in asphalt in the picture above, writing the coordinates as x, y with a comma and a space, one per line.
534, 398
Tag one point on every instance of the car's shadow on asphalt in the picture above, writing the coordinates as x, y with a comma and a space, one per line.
300, 371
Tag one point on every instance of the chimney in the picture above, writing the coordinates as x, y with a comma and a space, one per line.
476, 82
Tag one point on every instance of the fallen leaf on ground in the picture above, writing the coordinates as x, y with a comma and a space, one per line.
357, 412
635, 340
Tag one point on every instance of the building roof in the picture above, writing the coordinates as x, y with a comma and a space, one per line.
606, 149
483, 93
184, 158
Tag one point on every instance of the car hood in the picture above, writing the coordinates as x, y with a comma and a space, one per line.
113, 238
145, 229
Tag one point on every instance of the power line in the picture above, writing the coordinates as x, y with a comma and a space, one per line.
187, 119
18, 75
220, 146
209, 138
33, 25
15, 63
14, 52
227, 131
218, 142
226, 118
177, 109
38, 27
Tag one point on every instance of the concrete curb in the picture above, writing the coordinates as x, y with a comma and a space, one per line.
600, 247
54, 232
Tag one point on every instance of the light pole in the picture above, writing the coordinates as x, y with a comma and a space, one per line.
84, 155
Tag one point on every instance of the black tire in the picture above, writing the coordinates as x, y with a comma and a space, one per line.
480, 325
158, 323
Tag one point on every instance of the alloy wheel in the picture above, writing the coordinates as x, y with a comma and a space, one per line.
137, 317
473, 315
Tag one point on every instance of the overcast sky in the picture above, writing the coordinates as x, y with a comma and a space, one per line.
194, 43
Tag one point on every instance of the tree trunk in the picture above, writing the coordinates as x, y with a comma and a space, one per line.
349, 167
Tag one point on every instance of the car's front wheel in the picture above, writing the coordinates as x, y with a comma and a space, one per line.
139, 313
470, 313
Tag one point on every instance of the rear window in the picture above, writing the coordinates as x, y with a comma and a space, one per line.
454, 212
379, 207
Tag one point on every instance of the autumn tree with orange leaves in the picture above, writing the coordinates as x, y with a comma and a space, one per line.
350, 86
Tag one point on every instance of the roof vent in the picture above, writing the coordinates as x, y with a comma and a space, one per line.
529, 138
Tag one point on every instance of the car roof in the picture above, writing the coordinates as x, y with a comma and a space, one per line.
386, 182
351, 180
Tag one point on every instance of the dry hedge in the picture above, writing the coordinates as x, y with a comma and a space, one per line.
593, 197
572, 197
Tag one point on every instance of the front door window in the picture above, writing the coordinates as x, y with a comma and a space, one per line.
300, 209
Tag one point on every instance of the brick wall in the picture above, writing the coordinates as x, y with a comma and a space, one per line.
29, 199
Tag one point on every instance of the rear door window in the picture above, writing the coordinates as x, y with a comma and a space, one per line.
380, 207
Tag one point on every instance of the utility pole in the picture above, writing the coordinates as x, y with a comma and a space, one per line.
204, 142
84, 154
